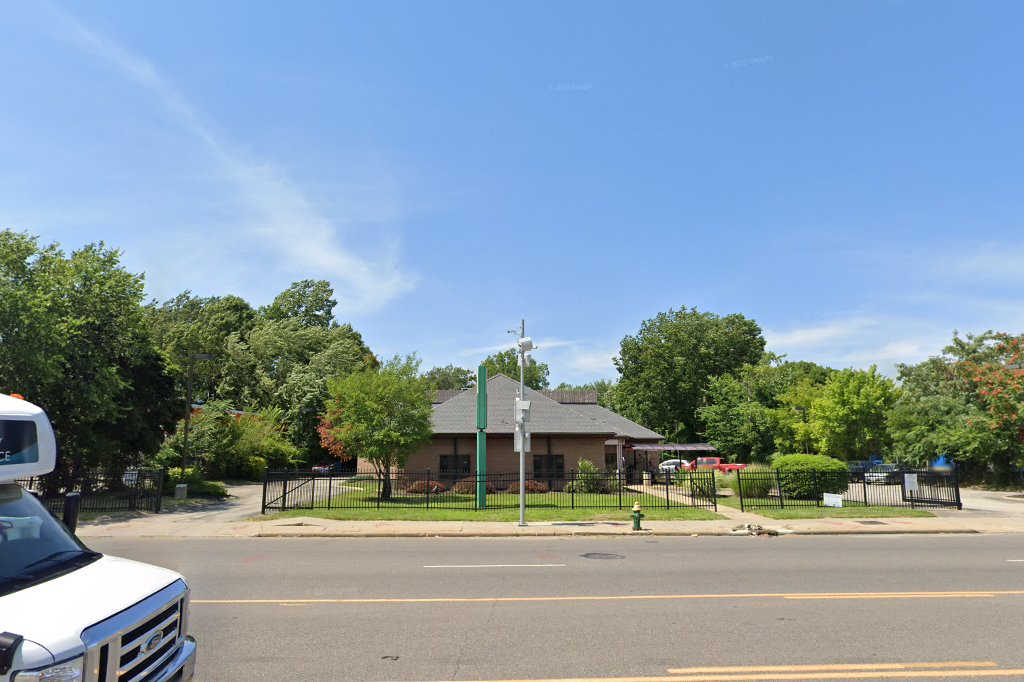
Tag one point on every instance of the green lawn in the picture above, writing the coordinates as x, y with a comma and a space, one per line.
853, 512
412, 513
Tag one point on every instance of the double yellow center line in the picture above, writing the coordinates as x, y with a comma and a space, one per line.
796, 596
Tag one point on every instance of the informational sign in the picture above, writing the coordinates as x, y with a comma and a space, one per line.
522, 440
832, 500
909, 483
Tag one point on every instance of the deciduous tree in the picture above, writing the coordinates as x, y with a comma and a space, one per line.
381, 415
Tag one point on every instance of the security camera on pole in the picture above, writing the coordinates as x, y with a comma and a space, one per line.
522, 416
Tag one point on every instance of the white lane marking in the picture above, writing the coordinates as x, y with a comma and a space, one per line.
497, 566
1016, 561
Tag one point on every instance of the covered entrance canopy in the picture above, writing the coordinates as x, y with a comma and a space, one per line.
643, 457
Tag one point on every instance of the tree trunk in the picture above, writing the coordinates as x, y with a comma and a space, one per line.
385, 489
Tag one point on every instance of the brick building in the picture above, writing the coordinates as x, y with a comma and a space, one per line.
566, 426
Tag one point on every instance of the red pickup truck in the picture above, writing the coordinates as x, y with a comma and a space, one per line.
715, 463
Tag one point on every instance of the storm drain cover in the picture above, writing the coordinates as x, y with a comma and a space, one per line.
600, 555
872, 523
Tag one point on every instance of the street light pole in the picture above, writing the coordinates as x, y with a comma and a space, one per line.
522, 415
188, 407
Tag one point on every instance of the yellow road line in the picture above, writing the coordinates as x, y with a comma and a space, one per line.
627, 597
832, 667
772, 677
864, 675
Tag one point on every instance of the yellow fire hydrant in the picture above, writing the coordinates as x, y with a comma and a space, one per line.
637, 515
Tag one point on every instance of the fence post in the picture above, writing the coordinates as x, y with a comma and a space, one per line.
161, 474
572, 488
428, 488
817, 489
739, 487
266, 482
778, 482
864, 484
956, 487
619, 478
380, 484
668, 477
284, 492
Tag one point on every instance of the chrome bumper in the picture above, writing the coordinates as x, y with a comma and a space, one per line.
183, 665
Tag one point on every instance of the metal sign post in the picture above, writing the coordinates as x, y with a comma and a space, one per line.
522, 416
481, 437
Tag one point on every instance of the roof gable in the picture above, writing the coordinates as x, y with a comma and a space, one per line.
457, 415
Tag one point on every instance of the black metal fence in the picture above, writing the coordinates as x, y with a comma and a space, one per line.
772, 488
104, 491
288, 490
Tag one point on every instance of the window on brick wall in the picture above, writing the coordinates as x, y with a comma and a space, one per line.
454, 467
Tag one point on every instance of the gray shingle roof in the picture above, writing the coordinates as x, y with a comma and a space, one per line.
457, 415
624, 428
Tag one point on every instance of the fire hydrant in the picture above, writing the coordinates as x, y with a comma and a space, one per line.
637, 515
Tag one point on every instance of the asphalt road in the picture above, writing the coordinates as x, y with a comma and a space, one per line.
581, 608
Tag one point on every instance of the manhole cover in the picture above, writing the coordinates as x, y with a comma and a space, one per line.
872, 523
600, 555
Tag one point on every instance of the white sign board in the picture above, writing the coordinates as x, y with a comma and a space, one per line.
910, 483
521, 441
832, 500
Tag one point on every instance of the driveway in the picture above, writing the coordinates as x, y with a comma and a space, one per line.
993, 503
243, 502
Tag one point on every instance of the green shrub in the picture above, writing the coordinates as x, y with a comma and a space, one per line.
806, 477
757, 481
590, 480
207, 489
193, 475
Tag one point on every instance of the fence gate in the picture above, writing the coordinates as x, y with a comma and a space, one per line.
286, 490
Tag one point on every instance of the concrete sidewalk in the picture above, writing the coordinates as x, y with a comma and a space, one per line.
155, 526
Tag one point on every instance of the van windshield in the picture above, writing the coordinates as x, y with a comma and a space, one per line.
34, 546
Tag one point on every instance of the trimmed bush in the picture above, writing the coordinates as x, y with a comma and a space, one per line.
531, 487
590, 480
757, 481
806, 477
207, 489
421, 487
467, 486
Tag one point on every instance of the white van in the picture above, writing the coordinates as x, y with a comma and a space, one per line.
67, 613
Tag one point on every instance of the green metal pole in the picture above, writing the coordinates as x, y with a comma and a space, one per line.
481, 437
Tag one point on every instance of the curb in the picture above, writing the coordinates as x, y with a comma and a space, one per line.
643, 533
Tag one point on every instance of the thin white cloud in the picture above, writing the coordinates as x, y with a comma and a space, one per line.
861, 341
303, 241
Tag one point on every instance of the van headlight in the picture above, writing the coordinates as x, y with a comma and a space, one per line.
68, 671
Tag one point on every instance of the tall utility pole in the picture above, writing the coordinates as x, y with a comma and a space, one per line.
522, 415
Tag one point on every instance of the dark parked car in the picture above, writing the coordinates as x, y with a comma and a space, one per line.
887, 474
859, 467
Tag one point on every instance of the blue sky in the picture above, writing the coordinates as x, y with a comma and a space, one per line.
847, 174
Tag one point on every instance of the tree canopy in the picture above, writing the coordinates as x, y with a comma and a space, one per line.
507, 362
450, 378
73, 340
381, 414
666, 368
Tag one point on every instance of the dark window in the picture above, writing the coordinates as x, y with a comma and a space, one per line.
611, 461
454, 467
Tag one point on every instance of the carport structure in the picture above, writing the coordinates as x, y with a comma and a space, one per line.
638, 455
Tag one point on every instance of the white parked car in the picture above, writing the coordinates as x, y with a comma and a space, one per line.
67, 613
673, 465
